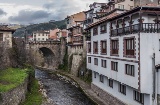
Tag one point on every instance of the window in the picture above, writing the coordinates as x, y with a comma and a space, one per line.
89, 47
103, 28
114, 66
95, 74
122, 89
138, 97
42, 38
159, 44
115, 48
1, 36
129, 69
95, 47
111, 83
129, 46
101, 78
89, 59
121, 6
103, 63
96, 61
103, 47
95, 31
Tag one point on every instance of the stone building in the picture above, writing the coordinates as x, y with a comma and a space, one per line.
6, 36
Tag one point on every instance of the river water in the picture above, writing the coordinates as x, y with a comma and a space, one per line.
61, 91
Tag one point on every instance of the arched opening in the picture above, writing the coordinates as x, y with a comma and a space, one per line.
48, 56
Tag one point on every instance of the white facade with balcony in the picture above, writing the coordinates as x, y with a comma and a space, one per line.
144, 32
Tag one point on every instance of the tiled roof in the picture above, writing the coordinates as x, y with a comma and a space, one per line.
103, 20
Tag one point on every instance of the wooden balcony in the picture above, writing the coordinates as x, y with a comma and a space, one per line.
144, 27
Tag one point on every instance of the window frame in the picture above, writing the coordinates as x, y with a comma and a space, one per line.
110, 83
130, 70
122, 88
114, 47
1, 37
101, 78
139, 97
96, 61
95, 31
114, 66
95, 47
89, 60
103, 50
95, 74
105, 28
103, 63
89, 47
129, 46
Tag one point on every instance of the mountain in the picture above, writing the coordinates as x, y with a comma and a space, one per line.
28, 30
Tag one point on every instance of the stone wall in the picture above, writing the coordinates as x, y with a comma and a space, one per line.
158, 99
76, 62
106, 96
14, 96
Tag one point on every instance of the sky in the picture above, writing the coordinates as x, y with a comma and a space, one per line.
39, 11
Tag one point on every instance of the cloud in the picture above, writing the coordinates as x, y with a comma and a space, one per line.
29, 16
2, 12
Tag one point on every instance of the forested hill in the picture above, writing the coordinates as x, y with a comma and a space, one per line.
41, 26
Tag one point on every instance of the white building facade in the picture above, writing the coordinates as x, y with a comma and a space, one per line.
124, 56
40, 35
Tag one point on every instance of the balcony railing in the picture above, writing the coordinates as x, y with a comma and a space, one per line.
144, 27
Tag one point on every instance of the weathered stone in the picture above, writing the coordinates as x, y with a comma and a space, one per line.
14, 96
76, 62
108, 98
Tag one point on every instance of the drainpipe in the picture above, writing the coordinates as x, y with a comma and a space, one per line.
155, 81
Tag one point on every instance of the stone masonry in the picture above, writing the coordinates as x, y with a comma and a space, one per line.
106, 96
14, 96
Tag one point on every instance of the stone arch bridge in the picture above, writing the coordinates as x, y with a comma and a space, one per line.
48, 53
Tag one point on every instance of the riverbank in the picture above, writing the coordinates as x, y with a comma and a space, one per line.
13, 86
86, 88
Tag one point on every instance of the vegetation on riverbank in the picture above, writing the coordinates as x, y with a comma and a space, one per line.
33, 96
11, 78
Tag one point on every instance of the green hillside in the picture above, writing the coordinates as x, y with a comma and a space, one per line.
41, 26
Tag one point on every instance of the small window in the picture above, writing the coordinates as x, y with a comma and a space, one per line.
129, 69
95, 31
89, 59
95, 74
103, 63
95, 47
1, 36
103, 47
89, 47
122, 89
139, 97
96, 61
103, 28
111, 83
101, 77
114, 48
114, 66
159, 44
130, 46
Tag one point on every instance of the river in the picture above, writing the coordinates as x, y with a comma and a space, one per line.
62, 91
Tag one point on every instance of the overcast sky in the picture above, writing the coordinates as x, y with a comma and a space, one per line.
37, 11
